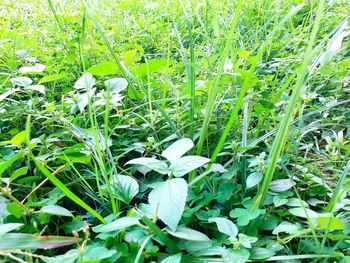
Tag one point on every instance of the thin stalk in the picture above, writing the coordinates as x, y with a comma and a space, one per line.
192, 74
244, 144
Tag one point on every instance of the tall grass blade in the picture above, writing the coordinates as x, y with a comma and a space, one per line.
338, 190
245, 85
283, 129
215, 86
55, 181
192, 71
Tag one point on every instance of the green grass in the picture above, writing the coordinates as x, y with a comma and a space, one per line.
222, 135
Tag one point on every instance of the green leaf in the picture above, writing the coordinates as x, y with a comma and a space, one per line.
104, 68
151, 163
11, 241
330, 223
286, 227
254, 179
116, 84
119, 224
51, 78
281, 185
75, 155
246, 241
5, 228
236, 255
21, 81
124, 187
96, 253
56, 210
15, 210
279, 200
299, 212
37, 68
225, 226
7, 164
172, 259
187, 164
18, 173
18, 139
177, 149
85, 82
168, 199
267, 104
188, 234
69, 257
260, 253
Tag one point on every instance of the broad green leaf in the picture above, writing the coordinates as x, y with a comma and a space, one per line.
15, 209
169, 199
177, 149
236, 255
56, 210
330, 222
83, 99
172, 259
225, 226
151, 163
51, 78
299, 212
76, 155
296, 202
188, 234
246, 241
279, 200
7, 164
18, 139
8, 93
37, 68
281, 185
254, 179
96, 253
286, 227
85, 82
38, 88
119, 224
5, 228
21, 81
116, 84
69, 257
104, 68
260, 253
124, 187
11, 241
186, 164
154, 66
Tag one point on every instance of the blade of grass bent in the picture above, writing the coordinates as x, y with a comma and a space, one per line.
66, 191
338, 190
283, 129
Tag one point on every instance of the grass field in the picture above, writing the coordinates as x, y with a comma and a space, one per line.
174, 131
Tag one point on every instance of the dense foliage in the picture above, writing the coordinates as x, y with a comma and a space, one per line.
174, 131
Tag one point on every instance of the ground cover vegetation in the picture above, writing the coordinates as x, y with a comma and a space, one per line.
174, 131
